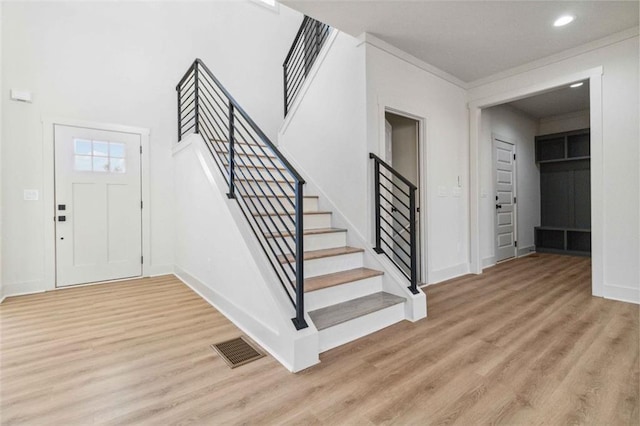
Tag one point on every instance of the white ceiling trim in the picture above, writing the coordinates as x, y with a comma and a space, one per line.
558, 57
407, 57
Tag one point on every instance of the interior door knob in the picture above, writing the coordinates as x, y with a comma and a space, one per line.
498, 206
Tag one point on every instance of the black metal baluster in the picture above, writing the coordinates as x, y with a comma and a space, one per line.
299, 320
412, 237
179, 114
376, 180
197, 96
231, 193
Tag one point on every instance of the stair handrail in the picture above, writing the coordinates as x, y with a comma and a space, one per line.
301, 56
206, 107
398, 204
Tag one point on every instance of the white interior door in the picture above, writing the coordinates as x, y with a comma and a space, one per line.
505, 222
98, 205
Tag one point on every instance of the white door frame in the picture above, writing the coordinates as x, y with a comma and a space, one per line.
423, 149
48, 191
594, 75
494, 139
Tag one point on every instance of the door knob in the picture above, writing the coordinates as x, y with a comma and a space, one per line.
498, 206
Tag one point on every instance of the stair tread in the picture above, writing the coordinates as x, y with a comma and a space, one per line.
291, 213
287, 233
319, 254
330, 316
280, 196
248, 154
337, 278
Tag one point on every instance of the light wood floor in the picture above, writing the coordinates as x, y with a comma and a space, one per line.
525, 343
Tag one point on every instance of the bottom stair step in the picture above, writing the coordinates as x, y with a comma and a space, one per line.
342, 312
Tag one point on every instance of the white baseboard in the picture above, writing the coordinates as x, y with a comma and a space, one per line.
622, 293
23, 288
525, 251
448, 273
488, 261
156, 270
245, 322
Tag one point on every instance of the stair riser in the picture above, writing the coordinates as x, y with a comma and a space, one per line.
329, 265
351, 330
264, 188
281, 205
264, 174
312, 242
341, 293
311, 221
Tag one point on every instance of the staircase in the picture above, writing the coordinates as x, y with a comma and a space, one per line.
343, 298
325, 278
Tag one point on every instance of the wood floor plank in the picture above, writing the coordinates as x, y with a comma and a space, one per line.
523, 343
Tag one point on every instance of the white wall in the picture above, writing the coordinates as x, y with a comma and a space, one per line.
513, 126
1, 215
119, 62
218, 256
326, 136
620, 143
564, 123
395, 83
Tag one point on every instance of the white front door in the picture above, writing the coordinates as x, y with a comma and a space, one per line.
98, 205
505, 223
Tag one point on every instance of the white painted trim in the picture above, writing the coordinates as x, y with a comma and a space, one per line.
24, 288
558, 57
399, 107
309, 80
158, 270
488, 262
526, 251
449, 273
226, 308
622, 293
370, 39
594, 75
48, 189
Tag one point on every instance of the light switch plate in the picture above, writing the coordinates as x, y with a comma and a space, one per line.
31, 194
21, 95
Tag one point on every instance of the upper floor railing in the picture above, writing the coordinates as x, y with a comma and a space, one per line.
395, 219
301, 57
267, 188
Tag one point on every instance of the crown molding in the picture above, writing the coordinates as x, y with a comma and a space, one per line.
558, 57
366, 38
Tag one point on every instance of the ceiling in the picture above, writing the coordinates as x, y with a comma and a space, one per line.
558, 102
475, 39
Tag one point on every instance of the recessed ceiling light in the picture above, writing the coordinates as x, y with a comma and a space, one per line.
563, 20
574, 85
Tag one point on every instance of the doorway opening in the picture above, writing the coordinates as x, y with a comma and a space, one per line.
537, 199
403, 152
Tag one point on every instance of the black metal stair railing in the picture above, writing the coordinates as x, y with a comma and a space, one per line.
395, 219
267, 188
301, 57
